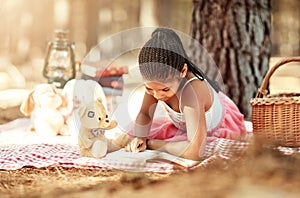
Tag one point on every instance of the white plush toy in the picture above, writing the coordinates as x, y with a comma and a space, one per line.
78, 93
47, 108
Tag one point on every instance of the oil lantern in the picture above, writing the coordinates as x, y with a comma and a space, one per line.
60, 65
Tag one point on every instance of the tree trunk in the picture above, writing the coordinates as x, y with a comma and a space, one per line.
236, 33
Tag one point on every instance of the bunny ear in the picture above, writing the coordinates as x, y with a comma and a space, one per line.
27, 105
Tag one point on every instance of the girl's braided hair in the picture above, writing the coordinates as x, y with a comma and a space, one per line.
163, 57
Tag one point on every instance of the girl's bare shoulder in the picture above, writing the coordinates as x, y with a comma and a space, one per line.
196, 92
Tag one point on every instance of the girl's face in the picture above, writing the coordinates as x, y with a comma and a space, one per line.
162, 91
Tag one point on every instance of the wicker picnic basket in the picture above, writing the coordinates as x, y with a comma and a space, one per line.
276, 118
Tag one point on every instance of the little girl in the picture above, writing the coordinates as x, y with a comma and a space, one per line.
196, 107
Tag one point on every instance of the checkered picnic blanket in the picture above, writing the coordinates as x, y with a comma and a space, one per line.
16, 156
60, 152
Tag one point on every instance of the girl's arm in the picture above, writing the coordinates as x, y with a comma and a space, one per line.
142, 124
195, 100
196, 132
144, 118
194, 147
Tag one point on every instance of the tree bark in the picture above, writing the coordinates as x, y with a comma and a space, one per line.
236, 33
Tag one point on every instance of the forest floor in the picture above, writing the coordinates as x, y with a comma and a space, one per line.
260, 172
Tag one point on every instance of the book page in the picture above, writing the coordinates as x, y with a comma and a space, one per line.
149, 155
178, 160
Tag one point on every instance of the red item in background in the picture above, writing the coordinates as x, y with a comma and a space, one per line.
112, 71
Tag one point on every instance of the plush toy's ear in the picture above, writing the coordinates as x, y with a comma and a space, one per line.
99, 100
101, 105
27, 105
81, 111
64, 102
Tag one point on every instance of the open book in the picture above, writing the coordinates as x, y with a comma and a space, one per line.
150, 156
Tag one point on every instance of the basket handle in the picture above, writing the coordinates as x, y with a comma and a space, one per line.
262, 91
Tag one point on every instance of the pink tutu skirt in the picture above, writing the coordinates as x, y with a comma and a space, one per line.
231, 126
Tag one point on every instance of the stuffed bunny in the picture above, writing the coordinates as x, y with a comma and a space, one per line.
80, 92
91, 138
47, 109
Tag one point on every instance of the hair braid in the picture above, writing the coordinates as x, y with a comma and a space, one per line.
163, 57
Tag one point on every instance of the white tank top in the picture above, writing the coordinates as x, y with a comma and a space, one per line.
213, 115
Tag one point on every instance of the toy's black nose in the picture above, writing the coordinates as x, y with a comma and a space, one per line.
107, 121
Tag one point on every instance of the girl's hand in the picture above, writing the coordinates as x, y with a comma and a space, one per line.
136, 145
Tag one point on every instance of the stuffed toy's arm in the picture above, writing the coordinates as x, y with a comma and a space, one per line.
85, 141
